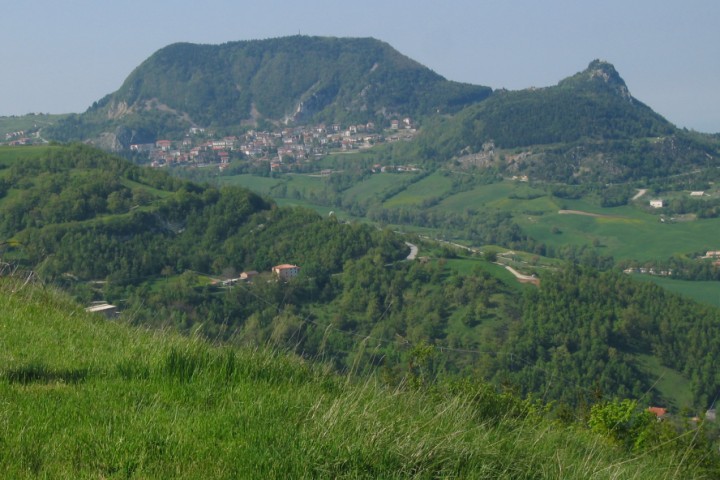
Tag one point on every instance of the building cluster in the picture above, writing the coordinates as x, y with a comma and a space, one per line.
649, 271
283, 150
20, 138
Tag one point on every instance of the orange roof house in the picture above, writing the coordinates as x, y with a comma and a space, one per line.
658, 411
286, 271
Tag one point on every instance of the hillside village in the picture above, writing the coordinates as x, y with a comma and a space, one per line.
289, 149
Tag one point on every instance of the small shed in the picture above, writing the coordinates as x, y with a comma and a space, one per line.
106, 309
657, 203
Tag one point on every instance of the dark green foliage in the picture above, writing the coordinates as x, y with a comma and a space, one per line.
584, 328
581, 107
136, 222
36, 372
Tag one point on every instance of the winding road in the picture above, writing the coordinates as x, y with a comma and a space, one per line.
413, 251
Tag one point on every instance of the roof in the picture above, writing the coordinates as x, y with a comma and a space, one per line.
284, 266
100, 308
658, 411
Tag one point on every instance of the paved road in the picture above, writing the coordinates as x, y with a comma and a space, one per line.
640, 193
522, 278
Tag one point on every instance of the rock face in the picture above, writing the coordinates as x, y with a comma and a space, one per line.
606, 72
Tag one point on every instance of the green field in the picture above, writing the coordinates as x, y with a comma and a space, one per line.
498, 196
703, 292
27, 122
625, 233
671, 384
433, 185
628, 232
261, 185
375, 186
8, 155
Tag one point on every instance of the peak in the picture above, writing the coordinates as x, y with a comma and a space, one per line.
605, 71
601, 73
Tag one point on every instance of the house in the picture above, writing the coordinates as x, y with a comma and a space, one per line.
697, 194
659, 412
286, 271
163, 145
657, 203
248, 275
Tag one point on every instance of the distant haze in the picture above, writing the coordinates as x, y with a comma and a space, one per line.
60, 57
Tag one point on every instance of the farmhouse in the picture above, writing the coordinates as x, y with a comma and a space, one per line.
286, 271
657, 203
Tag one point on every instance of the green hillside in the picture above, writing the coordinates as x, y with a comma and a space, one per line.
94, 398
169, 253
586, 128
296, 78
15, 127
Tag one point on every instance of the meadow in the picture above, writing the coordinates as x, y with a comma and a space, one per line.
627, 232
261, 185
433, 185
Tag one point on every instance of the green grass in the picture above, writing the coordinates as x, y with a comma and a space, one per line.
27, 122
9, 155
625, 232
83, 397
375, 186
707, 292
433, 185
498, 195
140, 186
261, 185
670, 383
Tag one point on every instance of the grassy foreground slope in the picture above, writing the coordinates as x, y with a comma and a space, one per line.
86, 398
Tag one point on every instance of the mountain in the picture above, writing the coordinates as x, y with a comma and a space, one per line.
587, 127
290, 79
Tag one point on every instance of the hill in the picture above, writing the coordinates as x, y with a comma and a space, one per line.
26, 129
586, 128
94, 398
169, 253
61, 202
290, 79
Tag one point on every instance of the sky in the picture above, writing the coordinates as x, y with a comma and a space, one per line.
59, 56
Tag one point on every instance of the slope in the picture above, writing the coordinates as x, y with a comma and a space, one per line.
586, 128
84, 397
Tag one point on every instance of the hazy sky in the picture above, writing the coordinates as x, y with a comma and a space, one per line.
59, 56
